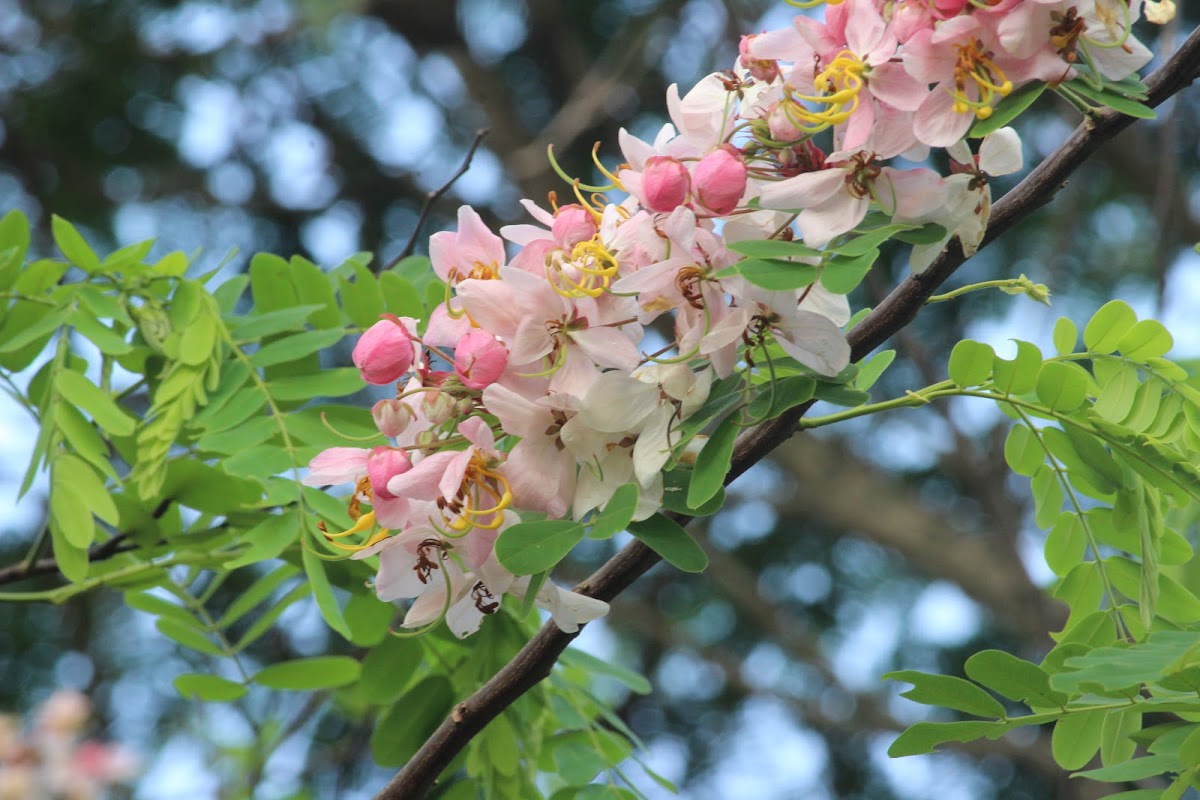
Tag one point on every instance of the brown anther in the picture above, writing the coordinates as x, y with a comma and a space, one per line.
485, 601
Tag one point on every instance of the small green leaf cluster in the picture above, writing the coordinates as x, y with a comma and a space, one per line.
1109, 436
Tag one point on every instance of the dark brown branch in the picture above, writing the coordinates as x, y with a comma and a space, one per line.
49, 566
433, 197
537, 658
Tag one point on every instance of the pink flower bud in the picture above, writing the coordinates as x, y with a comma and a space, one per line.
763, 69
383, 464
384, 353
392, 416
479, 359
721, 180
573, 224
438, 406
665, 184
781, 126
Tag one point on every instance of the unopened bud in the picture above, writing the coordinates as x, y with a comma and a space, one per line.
665, 184
720, 180
392, 416
479, 359
384, 352
573, 224
438, 406
383, 464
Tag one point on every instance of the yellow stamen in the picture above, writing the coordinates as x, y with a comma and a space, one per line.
843, 80
595, 264
976, 67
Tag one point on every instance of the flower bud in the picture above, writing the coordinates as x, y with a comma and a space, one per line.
721, 180
572, 224
438, 406
780, 125
392, 416
383, 464
665, 184
384, 353
479, 359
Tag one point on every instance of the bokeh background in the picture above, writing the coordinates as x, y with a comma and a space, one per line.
317, 127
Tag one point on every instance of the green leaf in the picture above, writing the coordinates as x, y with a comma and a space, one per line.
1023, 452
778, 276
1135, 770
198, 340
1111, 99
187, 636
1066, 543
1048, 496
842, 275
14, 242
1117, 395
369, 619
667, 538
77, 389
43, 323
675, 485
361, 299
336, 382
1062, 386
617, 513
1145, 340
310, 674
69, 514
1076, 738
781, 395
773, 248
871, 369
924, 737
529, 547
207, 488
712, 465
1108, 326
870, 240
388, 668
323, 592
105, 338
839, 394
210, 688
314, 287
71, 475
407, 723
1066, 335
633, 681
256, 593
296, 346
1116, 742
73, 245
948, 692
1021, 373
1014, 678
72, 561
1008, 109
269, 323
929, 233
971, 363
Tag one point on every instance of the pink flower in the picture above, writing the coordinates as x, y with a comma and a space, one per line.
385, 352
383, 464
572, 224
665, 184
720, 180
479, 359
392, 416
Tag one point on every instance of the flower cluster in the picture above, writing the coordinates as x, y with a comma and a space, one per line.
50, 760
569, 352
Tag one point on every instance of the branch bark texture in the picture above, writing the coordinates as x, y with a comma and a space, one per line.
537, 658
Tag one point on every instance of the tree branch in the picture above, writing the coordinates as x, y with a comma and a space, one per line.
49, 566
537, 658
433, 197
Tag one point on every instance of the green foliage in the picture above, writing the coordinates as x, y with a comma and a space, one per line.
1111, 432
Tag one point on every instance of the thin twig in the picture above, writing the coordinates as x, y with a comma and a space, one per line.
48, 566
537, 658
433, 197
